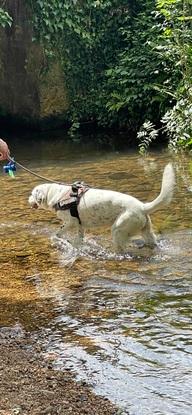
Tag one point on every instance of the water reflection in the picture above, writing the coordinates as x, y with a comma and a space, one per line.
123, 323
129, 334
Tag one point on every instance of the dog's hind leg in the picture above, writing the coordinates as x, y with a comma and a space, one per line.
148, 234
128, 224
124, 227
119, 240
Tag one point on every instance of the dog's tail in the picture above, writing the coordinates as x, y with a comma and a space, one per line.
167, 188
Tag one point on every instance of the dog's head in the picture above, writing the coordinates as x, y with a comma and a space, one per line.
46, 195
38, 197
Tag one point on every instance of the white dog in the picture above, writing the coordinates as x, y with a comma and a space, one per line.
97, 207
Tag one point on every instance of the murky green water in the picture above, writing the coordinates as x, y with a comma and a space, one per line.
121, 323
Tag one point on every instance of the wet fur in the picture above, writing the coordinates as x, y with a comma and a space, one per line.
126, 215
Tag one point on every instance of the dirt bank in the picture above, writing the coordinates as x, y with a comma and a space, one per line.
29, 385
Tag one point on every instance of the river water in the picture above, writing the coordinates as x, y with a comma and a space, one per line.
121, 323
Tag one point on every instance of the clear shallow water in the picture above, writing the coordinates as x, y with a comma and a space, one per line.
122, 323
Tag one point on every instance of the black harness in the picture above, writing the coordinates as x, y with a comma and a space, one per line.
78, 189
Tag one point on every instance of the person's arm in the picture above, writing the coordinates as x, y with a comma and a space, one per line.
4, 150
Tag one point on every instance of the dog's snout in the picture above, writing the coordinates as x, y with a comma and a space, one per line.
32, 202
34, 205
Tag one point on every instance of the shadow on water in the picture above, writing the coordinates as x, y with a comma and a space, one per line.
122, 323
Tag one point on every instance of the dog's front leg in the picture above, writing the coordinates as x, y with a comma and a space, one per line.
62, 230
78, 240
77, 230
65, 217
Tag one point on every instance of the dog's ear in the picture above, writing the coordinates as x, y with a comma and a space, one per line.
39, 196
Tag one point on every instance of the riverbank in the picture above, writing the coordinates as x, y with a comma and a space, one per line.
29, 385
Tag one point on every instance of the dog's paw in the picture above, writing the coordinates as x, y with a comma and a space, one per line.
139, 243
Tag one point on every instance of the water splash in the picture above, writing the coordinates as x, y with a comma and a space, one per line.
90, 249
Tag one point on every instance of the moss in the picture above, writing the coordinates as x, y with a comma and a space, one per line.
53, 94
30, 92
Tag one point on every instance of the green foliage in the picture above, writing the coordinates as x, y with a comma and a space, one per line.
5, 19
132, 81
146, 135
178, 120
175, 47
178, 124
123, 61
84, 37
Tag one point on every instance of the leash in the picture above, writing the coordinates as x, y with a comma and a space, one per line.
14, 163
10, 168
78, 188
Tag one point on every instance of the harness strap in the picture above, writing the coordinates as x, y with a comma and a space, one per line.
72, 206
74, 211
78, 189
